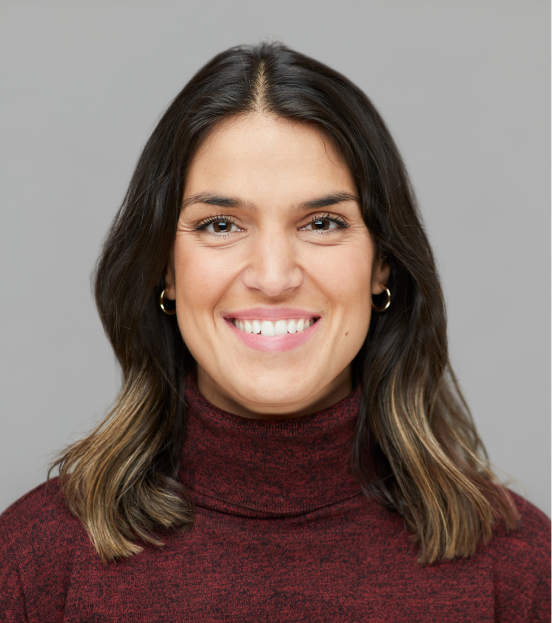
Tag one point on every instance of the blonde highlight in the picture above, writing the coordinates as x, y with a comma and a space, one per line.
108, 481
444, 488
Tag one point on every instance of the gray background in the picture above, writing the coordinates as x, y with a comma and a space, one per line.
464, 87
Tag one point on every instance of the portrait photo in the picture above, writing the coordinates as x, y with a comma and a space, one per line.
276, 311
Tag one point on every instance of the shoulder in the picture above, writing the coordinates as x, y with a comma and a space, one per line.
41, 512
38, 529
531, 535
521, 565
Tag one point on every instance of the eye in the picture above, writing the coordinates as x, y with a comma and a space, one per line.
218, 225
324, 223
221, 227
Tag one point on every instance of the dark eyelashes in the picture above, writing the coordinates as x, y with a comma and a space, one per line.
212, 219
217, 218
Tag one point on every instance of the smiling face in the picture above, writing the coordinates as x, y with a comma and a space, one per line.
272, 269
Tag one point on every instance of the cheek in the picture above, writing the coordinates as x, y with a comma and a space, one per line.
346, 277
354, 291
201, 279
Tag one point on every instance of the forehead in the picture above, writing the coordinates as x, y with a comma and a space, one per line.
263, 154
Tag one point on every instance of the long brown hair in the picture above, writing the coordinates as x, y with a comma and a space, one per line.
416, 447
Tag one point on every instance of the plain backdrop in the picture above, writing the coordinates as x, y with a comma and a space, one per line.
464, 87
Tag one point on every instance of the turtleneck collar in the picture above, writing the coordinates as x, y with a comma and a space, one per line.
268, 468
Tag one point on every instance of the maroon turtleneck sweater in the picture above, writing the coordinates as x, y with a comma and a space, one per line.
282, 533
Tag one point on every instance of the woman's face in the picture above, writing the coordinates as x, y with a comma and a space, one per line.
272, 269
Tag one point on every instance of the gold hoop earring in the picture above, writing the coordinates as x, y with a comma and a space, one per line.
169, 312
380, 309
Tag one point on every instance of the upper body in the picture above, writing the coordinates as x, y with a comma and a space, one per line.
290, 442
280, 534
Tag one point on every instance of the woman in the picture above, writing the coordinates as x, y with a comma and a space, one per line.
290, 443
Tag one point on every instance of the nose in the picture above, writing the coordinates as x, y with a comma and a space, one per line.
272, 266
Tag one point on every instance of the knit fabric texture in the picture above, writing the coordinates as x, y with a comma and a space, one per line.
282, 533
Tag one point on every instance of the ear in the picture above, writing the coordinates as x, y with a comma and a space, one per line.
170, 280
380, 273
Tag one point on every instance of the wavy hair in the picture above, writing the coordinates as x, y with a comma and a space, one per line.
416, 448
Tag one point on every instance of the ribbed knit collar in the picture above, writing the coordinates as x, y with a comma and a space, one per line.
268, 468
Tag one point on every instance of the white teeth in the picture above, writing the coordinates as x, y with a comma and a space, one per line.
267, 328
270, 329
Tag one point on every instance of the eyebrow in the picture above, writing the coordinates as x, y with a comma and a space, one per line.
218, 200
328, 200
233, 202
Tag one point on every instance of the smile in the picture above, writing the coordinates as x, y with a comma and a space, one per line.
270, 329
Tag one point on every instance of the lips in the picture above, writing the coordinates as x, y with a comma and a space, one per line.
277, 329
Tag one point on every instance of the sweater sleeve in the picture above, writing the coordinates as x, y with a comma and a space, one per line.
12, 599
38, 538
522, 568
540, 608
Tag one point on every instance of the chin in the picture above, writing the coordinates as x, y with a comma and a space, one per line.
280, 392
265, 392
